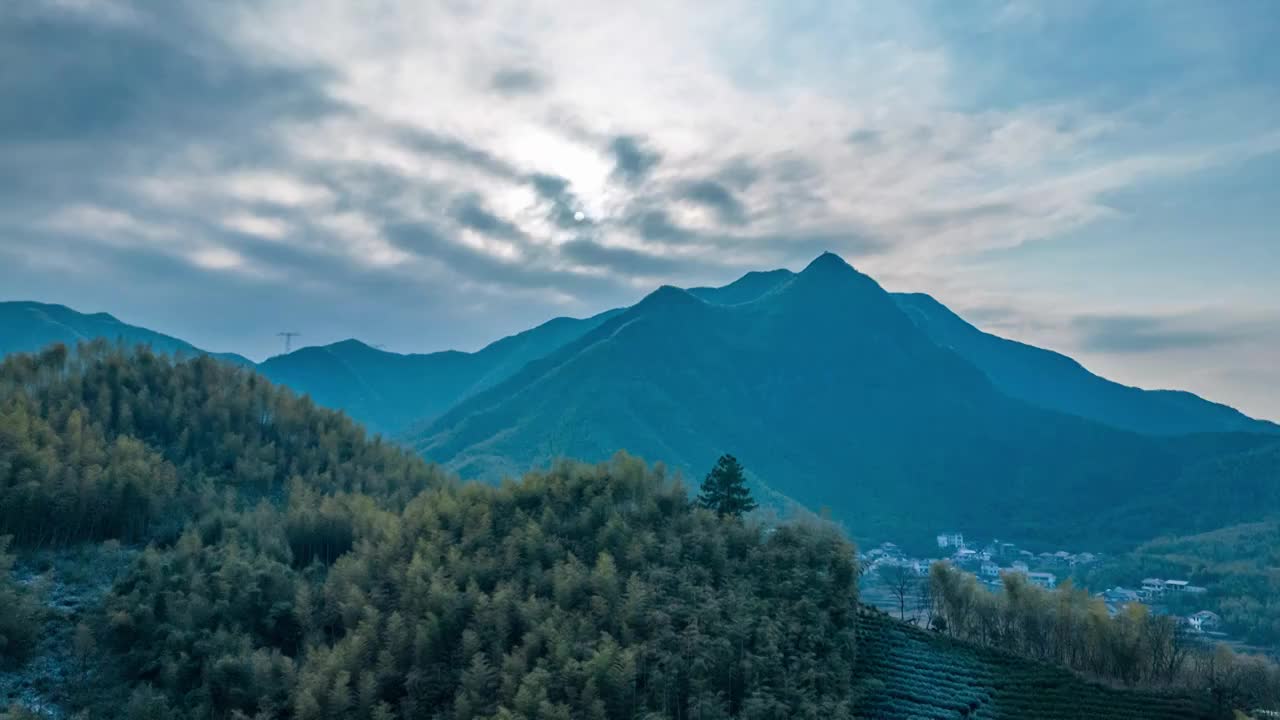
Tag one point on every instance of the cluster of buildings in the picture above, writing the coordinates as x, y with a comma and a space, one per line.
1156, 592
996, 558
989, 561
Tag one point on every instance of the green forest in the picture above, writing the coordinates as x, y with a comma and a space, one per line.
280, 563
295, 568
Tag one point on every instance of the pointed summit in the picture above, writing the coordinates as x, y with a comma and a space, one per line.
668, 296
827, 262
829, 272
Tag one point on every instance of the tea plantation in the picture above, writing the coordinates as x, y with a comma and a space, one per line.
911, 674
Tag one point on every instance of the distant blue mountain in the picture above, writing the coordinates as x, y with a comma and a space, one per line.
1041, 377
889, 410
390, 392
830, 392
32, 326
1055, 381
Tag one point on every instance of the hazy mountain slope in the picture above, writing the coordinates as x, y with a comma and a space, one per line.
1055, 381
744, 289
389, 392
32, 326
827, 390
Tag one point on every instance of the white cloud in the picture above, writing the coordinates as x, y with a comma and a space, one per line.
934, 176
259, 225
216, 258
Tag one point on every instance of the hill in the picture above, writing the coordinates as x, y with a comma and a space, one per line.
389, 392
308, 572
293, 568
108, 443
826, 389
30, 327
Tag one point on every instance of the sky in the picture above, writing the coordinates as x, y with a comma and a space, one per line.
1094, 177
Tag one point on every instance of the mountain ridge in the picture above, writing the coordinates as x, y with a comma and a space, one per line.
813, 376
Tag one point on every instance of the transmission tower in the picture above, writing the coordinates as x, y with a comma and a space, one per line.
288, 340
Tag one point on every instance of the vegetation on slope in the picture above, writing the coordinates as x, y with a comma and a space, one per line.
106, 443
905, 673
19, 614
296, 569
1068, 627
583, 592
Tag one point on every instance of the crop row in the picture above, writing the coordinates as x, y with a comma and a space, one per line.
925, 676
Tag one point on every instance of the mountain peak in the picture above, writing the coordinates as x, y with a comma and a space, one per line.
827, 262
668, 296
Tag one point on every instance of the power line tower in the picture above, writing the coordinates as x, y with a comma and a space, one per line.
288, 340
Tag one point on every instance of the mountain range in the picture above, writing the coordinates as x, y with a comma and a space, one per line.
888, 411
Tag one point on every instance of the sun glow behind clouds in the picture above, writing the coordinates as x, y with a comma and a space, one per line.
551, 157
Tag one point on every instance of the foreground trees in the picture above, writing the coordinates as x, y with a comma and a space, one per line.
296, 569
586, 592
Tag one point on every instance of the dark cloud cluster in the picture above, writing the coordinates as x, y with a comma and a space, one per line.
455, 150
715, 197
518, 81
633, 159
85, 99
469, 212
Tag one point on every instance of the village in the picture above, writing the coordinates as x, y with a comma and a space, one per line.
990, 561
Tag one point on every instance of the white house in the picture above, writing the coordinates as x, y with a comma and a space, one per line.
1204, 621
1043, 579
1152, 587
990, 569
954, 539
1176, 585
1119, 596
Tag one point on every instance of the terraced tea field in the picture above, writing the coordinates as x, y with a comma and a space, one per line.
912, 674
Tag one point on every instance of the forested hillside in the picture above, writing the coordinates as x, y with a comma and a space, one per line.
110, 443
298, 569
286, 566
835, 398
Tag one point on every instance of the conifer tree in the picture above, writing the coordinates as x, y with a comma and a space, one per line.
725, 489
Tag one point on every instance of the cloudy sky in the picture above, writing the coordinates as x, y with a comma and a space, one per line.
1100, 178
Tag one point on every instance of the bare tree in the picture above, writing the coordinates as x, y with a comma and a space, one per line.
925, 604
901, 581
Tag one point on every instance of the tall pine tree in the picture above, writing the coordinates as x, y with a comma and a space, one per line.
725, 489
